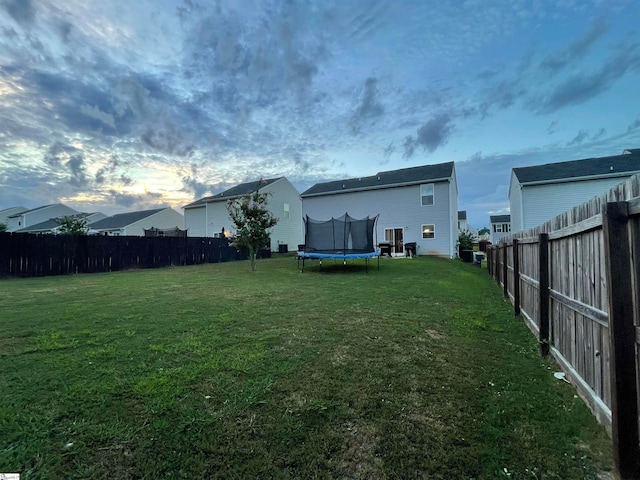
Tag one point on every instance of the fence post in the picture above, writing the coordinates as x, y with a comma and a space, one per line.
624, 390
516, 278
543, 262
505, 272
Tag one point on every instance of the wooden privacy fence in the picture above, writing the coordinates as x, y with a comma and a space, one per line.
29, 255
575, 280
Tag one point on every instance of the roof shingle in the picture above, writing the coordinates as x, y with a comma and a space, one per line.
387, 179
588, 167
233, 192
121, 220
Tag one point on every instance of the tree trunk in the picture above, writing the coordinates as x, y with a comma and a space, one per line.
252, 259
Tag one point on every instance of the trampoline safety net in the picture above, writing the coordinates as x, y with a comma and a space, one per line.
342, 235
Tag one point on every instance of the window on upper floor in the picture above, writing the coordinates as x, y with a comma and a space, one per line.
427, 194
287, 213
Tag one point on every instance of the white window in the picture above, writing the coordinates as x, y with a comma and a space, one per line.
426, 194
506, 227
428, 231
497, 228
287, 213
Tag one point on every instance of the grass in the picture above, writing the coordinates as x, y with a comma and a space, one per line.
416, 370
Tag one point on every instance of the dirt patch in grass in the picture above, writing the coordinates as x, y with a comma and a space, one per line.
358, 456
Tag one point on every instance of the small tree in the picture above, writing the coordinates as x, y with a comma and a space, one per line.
3, 227
484, 231
252, 220
465, 240
72, 226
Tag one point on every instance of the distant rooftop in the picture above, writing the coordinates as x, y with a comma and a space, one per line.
121, 220
234, 192
391, 178
32, 210
500, 218
626, 163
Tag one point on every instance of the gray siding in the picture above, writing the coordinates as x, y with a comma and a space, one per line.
515, 205
543, 202
195, 221
288, 230
398, 207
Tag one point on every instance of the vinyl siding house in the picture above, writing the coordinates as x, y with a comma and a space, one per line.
52, 225
500, 227
208, 216
418, 204
21, 220
135, 223
539, 193
7, 212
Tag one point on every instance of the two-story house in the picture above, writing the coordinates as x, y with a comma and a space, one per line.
27, 218
209, 217
415, 205
500, 227
539, 193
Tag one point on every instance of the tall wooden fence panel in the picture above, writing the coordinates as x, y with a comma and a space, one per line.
576, 282
28, 255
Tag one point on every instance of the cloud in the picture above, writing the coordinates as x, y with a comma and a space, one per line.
369, 108
76, 166
22, 11
430, 136
634, 125
579, 138
576, 50
580, 88
553, 127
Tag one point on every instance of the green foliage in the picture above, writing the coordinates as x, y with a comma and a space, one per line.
484, 231
72, 226
466, 240
252, 222
3, 227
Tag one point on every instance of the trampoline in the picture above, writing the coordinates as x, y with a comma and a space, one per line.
341, 238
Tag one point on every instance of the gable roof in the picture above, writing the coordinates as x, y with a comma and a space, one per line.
52, 223
391, 178
500, 218
233, 192
121, 220
462, 215
615, 165
33, 210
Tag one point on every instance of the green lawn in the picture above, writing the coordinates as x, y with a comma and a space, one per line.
416, 370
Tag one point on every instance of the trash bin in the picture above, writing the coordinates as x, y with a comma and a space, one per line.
385, 248
283, 248
466, 255
479, 257
411, 248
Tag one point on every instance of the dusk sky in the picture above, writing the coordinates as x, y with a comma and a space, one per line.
115, 105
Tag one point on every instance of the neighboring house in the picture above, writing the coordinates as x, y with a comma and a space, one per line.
8, 212
135, 223
462, 221
52, 225
463, 224
500, 227
21, 220
539, 193
418, 204
209, 217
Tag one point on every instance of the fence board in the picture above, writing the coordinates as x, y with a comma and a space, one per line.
29, 255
